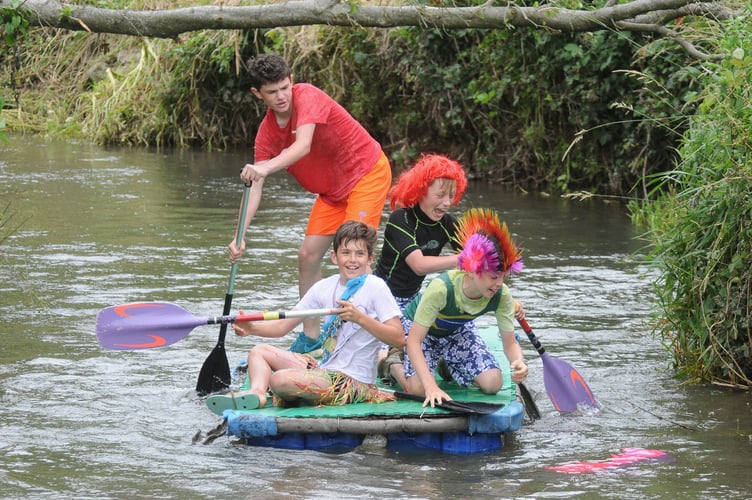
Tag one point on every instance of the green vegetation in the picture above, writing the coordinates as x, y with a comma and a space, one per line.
13, 27
529, 108
701, 226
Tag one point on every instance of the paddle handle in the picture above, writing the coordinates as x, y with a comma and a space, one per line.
529, 332
215, 372
270, 315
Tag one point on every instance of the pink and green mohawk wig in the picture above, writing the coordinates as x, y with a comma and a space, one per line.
479, 231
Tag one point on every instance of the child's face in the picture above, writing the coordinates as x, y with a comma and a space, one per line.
352, 259
278, 95
438, 199
486, 284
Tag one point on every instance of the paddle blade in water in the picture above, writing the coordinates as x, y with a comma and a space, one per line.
144, 325
531, 408
565, 386
215, 374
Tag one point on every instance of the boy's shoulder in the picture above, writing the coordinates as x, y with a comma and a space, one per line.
307, 89
401, 214
325, 283
441, 282
374, 281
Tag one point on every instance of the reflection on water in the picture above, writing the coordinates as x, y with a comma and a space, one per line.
107, 226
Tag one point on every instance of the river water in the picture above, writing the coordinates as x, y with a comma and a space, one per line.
104, 226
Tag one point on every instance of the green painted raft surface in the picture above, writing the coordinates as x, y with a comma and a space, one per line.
403, 422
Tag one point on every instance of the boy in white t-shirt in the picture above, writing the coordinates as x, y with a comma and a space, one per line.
347, 374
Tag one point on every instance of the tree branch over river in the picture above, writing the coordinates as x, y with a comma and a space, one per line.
651, 16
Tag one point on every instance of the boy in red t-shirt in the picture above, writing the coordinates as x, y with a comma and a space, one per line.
328, 152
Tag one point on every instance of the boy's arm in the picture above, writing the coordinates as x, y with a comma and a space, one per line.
268, 329
288, 156
513, 352
431, 389
426, 264
390, 331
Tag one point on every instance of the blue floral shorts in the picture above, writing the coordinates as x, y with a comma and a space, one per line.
464, 351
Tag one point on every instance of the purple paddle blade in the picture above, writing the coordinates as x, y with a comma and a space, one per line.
144, 325
565, 386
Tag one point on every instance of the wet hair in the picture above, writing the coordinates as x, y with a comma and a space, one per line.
412, 185
267, 68
355, 231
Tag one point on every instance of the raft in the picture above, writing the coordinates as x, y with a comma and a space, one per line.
406, 425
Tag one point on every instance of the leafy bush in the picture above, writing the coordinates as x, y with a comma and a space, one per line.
701, 226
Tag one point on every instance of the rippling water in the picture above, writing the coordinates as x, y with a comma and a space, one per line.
105, 226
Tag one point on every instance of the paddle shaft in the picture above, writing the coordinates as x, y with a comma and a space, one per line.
269, 315
215, 372
234, 268
533, 339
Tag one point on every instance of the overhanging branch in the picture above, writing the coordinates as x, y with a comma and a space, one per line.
638, 15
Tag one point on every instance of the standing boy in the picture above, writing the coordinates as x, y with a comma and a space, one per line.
326, 150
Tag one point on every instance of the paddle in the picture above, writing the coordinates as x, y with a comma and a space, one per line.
215, 372
145, 325
469, 407
565, 386
531, 408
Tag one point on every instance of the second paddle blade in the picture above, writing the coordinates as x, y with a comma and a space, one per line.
565, 386
143, 325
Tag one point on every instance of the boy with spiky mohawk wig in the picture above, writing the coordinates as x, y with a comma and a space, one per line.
440, 319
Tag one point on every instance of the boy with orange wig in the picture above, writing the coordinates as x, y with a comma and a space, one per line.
420, 225
418, 229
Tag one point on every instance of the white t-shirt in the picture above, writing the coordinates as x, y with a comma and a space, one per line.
356, 350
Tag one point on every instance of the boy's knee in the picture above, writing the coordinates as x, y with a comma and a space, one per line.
489, 382
492, 389
261, 350
310, 255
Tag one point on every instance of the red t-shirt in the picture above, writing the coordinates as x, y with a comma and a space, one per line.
342, 151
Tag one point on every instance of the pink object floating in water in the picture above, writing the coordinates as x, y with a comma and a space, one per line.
628, 456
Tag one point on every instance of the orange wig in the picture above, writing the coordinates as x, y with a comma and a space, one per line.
412, 185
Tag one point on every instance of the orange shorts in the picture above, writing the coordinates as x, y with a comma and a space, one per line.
365, 203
